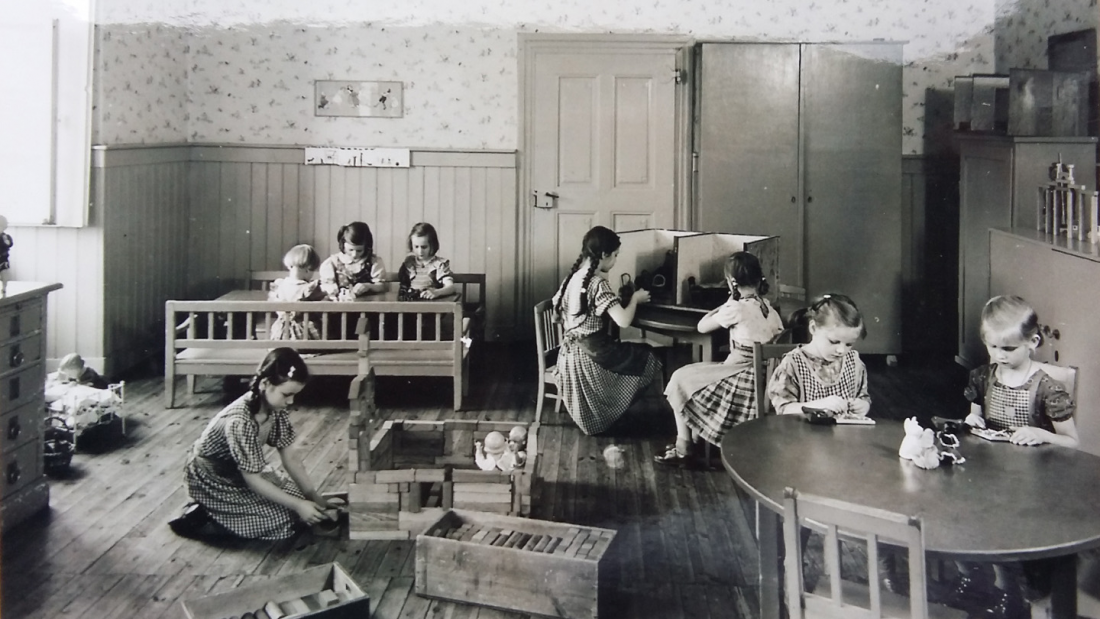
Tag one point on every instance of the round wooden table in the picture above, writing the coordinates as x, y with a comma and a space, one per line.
1005, 503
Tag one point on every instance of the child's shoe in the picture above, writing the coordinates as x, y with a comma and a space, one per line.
974, 590
673, 457
1009, 605
190, 523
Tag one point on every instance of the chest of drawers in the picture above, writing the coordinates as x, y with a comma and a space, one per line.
23, 487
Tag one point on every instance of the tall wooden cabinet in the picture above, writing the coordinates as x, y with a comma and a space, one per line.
999, 177
803, 141
1058, 277
23, 487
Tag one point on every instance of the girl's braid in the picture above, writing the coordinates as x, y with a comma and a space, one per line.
584, 286
565, 282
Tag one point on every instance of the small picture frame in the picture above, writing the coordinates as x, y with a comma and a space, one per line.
359, 99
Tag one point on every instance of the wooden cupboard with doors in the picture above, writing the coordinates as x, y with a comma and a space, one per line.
23, 487
1057, 277
999, 179
803, 141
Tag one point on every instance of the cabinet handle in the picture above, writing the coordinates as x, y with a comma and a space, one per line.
794, 200
14, 429
17, 357
13, 473
809, 199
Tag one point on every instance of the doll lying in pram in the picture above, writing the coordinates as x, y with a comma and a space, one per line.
93, 413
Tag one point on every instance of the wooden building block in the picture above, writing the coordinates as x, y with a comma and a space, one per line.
285, 596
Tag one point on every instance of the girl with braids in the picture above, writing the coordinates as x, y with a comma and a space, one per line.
707, 398
599, 376
233, 489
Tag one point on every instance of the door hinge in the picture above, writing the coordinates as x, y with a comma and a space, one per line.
694, 162
679, 75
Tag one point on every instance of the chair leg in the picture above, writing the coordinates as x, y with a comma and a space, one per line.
539, 400
191, 383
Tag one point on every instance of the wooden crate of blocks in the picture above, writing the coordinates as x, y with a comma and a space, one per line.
516, 564
411, 472
324, 591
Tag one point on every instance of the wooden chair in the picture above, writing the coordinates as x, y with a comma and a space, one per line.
261, 280
866, 523
548, 333
765, 357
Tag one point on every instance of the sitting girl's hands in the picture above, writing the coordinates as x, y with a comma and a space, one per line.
359, 290
428, 294
1028, 435
833, 403
641, 295
975, 420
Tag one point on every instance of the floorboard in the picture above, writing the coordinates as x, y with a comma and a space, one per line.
685, 546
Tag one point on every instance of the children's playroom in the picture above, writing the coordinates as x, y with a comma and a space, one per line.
492, 310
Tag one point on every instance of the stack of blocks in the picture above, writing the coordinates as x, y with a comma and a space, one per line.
411, 472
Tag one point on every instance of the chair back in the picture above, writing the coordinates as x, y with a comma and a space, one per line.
853, 521
261, 280
1065, 374
765, 357
548, 333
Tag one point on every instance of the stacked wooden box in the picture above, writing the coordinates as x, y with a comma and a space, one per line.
306, 594
411, 472
516, 564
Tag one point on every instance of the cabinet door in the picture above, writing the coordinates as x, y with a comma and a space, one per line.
747, 141
851, 115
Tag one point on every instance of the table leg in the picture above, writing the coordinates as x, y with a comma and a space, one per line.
767, 542
1063, 594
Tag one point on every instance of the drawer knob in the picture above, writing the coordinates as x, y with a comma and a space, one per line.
17, 357
13, 473
14, 429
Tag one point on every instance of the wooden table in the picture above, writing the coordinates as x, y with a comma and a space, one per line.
680, 323
1006, 503
389, 296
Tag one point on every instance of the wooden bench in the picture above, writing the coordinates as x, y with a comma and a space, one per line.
406, 339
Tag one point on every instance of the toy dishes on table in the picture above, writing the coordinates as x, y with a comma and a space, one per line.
821, 416
997, 436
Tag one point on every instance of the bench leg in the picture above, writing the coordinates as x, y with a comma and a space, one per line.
191, 383
458, 393
169, 390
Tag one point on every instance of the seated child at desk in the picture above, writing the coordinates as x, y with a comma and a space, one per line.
424, 274
598, 375
708, 398
301, 261
354, 270
826, 373
1012, 394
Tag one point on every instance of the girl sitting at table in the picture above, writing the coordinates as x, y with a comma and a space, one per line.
598, 375
827, 373
301, 262
235, 491
1012, 394
424, 274
354, 270
709, 398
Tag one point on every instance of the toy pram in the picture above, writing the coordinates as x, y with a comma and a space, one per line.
95, 416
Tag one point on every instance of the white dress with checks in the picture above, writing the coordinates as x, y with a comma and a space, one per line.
229, 446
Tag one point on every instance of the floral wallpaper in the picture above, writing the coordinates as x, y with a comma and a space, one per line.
1023, 26
203, 71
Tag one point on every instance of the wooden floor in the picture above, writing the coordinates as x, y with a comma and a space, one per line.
685, 547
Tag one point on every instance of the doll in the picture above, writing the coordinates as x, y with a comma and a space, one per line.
490, 455
919, 445
517, 446
5, 252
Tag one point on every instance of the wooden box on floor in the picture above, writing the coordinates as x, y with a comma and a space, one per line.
411, 472
303, 589
516, 564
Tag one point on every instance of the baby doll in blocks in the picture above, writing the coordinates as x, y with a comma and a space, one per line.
501, 454
83, 398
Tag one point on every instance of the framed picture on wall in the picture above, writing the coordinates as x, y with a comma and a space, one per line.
361, 99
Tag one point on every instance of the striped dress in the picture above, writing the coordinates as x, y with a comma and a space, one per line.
229, 446
598, 377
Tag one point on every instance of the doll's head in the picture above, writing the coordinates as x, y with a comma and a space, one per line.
1010, 330
495, 444
71, 366
355, 240
835, 325
517, 438
302, 261
743, 270
423, 241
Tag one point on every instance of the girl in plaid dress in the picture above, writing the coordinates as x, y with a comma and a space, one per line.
826, 373
710, 398
227, 474
1013, 394
598, 375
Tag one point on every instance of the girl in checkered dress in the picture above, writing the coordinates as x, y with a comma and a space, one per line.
598, 375
710, 398
1012, 394
227, 474
826, 373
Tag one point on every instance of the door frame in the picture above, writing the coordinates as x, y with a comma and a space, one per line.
531, 46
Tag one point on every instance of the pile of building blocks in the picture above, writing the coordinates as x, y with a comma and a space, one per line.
411, 472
